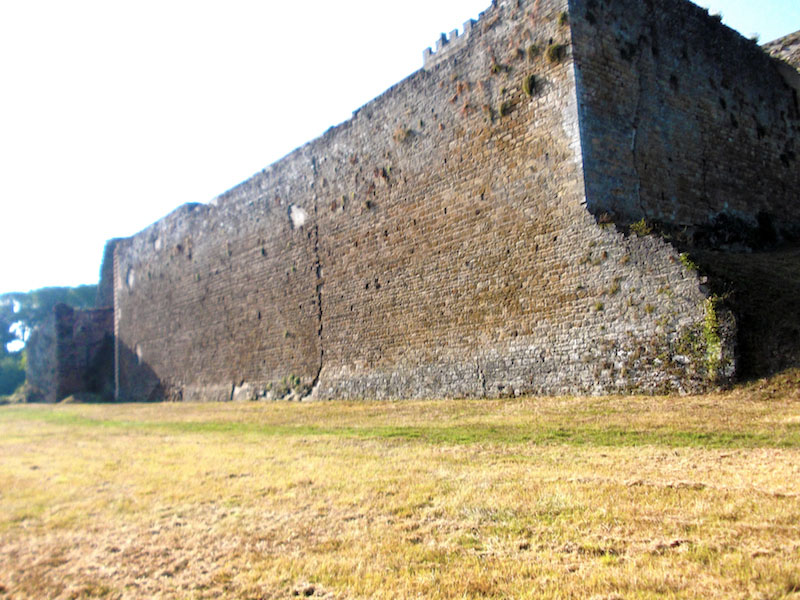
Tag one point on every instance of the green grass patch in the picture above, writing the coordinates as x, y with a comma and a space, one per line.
543, 434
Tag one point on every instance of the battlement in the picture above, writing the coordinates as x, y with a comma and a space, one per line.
447, 45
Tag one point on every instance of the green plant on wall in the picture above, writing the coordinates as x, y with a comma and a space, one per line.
711, 337
556, 52
498, 68
529, 85
687, 262
641, 228
291, 384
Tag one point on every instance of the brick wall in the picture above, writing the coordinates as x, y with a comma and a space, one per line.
786, 48
438, 243
685, 122
41, 362
105, 288
71, 353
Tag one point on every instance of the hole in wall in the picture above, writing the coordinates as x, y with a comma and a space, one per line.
130, 278
138, 354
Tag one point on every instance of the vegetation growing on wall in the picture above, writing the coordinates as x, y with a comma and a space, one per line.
711, 338
687, 262
641, 228
556, 52
529, 85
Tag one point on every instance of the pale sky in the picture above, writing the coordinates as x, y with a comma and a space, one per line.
114, 113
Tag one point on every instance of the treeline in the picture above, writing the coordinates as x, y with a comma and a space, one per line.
20, 313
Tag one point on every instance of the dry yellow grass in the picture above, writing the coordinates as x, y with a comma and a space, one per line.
694, 497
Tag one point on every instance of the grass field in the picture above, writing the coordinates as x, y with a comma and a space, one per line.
621, 497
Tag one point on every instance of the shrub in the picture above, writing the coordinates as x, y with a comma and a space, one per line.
529, 85
641, 228
711, 337
497, 68
556, 52
687, 262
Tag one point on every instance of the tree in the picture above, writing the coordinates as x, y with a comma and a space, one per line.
7, 320
12, 372
33, 308
20, 313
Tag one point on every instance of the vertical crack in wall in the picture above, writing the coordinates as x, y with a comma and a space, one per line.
318, 271
318, 289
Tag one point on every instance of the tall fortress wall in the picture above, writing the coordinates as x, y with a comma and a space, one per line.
481, 228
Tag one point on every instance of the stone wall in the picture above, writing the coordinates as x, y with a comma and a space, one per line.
786, 48
105, 288
41, 362
437, 244
71, 353
685, 123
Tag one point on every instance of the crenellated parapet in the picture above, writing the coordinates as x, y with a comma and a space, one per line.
445, 45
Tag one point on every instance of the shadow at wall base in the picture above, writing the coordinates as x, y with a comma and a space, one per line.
763, 291
137, 382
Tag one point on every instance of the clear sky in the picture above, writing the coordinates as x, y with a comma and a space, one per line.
112, 112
